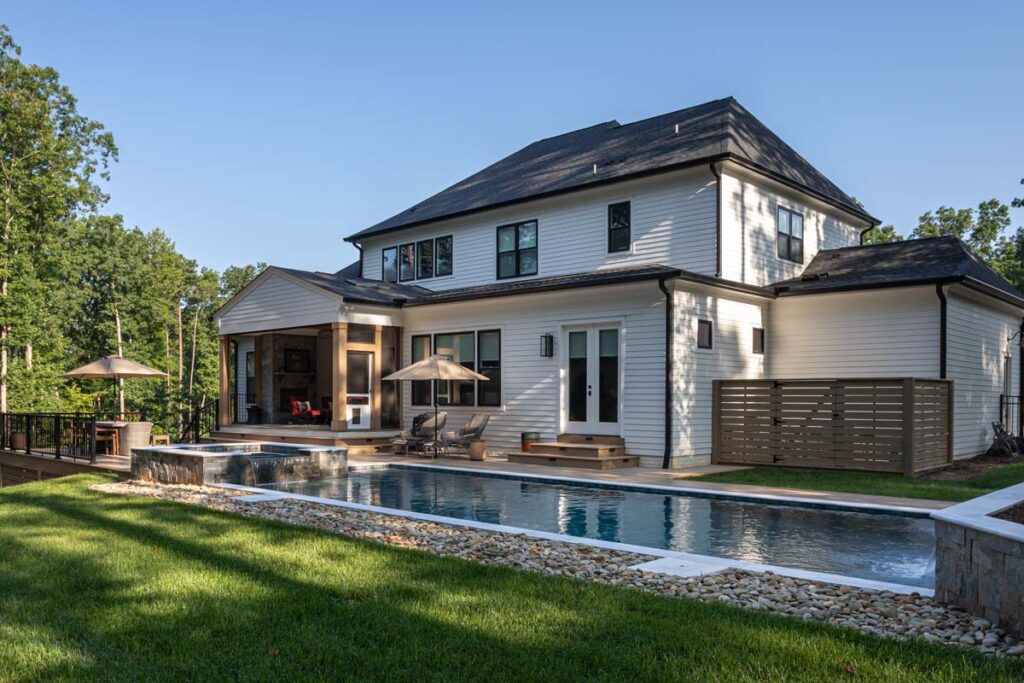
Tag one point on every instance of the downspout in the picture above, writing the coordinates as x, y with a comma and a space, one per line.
942, 330
718, 218
360, 248
669, 301
866, 230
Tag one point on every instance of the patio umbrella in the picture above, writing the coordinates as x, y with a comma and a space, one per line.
435, 368
114, 367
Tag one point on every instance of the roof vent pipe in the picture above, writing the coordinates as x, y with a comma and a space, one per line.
677, 129
595, 169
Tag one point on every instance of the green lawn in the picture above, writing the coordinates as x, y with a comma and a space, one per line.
873, 483
102, 587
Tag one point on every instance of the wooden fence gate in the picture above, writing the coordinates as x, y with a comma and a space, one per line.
902, 425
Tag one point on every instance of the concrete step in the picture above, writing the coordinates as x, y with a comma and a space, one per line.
592, 439
577, 449
583, 462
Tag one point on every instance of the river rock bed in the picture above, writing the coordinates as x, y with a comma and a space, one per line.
880, 613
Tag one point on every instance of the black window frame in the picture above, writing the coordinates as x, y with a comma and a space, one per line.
451, 255
383, 264
785, 240
517, 250
487, 371
757, 341
419, 259
711, 334
450, 382
628, 229
420, 383
412, 266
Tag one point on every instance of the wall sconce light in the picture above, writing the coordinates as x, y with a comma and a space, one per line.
547, 345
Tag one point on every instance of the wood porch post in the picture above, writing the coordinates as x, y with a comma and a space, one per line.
375, 387
339, 373
224, 407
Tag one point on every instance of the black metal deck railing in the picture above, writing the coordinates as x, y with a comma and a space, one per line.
59, 435
1010, 414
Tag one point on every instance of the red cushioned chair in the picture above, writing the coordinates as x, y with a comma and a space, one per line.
302, 410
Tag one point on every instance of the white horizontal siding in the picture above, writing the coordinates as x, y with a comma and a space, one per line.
277, 302
749, 228
531, 391
978, 339
882, 333
694, 369
673, 223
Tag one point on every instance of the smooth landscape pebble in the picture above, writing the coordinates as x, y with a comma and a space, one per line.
880, 613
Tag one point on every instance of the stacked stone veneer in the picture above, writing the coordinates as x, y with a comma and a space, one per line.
981, 572
228, 464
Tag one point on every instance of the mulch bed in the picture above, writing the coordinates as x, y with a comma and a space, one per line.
963, 470
1014, 514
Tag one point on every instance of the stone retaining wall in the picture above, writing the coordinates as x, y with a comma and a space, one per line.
979, 563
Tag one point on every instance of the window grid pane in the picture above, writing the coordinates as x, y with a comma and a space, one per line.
443, 254
425, 259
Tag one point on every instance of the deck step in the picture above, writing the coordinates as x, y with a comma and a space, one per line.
583, 450
592, 439
583, 462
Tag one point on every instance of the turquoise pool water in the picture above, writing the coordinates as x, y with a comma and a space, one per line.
879, 546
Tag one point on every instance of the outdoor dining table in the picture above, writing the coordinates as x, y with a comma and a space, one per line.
109, 432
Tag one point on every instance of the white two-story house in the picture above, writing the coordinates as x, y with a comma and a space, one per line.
602, 279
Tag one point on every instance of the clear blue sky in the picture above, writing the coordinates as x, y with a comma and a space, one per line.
269, 131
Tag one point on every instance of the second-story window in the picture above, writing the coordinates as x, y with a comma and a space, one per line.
791, 235
389, 264
443, 254
407, 262
424, 259
517, 249
619, 237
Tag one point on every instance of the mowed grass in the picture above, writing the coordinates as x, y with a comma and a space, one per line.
874, 483
101, 587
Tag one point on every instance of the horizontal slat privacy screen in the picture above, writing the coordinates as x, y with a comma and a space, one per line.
899, 425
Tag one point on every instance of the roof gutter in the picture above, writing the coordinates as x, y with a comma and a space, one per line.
865, 231
669, 305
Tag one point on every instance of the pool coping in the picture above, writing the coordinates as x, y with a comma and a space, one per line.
976, 513
711, 563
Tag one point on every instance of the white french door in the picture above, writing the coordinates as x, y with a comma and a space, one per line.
592, 378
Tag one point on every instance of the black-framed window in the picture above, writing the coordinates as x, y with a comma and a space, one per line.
389, 264
758, 340
424, 259
407, 262
517, 249
444, 257
704, 334
790, 235
619, 220
488, 353
420, 388
460, 348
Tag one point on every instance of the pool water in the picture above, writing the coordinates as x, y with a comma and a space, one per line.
880, 546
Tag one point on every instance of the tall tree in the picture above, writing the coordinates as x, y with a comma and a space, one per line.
882, 235
50, 158
982, 229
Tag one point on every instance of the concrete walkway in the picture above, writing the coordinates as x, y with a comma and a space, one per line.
677, 477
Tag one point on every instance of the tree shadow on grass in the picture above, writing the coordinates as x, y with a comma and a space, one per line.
132, 588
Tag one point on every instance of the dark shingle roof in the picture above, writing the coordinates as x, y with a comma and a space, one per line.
932, 260
356, 289
543, 284
351, 270
714, 130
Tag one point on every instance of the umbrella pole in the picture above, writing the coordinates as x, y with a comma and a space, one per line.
435, 419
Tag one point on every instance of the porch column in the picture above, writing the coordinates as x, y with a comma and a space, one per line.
339, 373
375, 379
224, 407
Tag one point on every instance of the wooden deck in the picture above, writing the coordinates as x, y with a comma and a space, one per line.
21, 468
361, 442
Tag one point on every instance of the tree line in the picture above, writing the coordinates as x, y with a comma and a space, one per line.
76, 284
985, 229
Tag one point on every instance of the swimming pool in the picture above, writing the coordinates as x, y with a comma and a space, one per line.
873, 545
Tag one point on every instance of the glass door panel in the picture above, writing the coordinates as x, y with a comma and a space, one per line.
593, 374
358, 398
578, 386
608, 369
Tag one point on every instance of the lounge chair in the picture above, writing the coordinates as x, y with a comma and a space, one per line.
422, 432
472, 431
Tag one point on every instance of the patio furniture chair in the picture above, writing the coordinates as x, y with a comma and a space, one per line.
302, 409
422, 435
135, 435
473, 430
